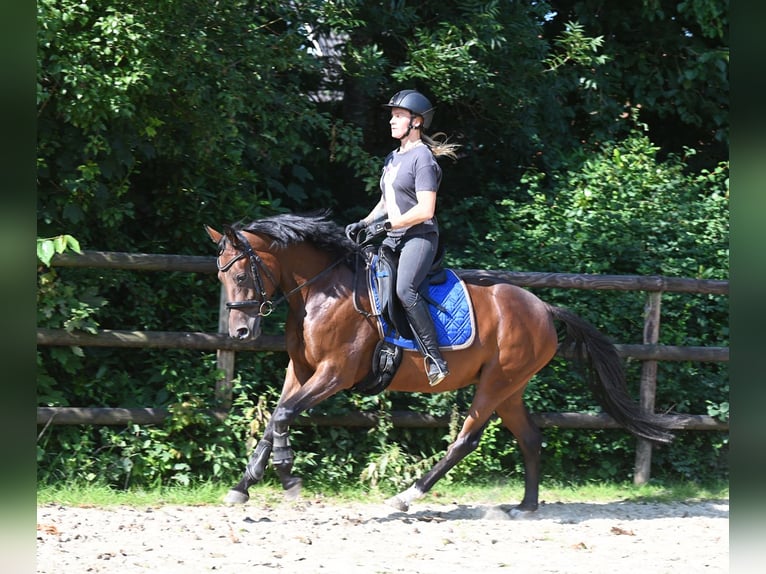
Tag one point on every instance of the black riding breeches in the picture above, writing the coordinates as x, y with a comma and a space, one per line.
416, 255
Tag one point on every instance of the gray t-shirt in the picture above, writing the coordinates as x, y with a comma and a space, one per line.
404, 174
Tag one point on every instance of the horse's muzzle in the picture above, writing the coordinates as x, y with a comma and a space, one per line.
244, 327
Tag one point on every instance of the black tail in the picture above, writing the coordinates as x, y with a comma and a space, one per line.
607, 377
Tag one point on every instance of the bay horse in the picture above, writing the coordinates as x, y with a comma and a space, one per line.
307, 262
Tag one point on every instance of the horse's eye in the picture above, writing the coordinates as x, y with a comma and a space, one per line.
240, 278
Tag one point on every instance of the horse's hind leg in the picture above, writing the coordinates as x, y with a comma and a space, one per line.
465, 443
284, 456
482, 407
516, 419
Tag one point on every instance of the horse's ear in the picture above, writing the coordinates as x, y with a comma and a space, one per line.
213, 234
230, 234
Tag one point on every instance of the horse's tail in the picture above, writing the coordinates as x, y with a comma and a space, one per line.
607, 377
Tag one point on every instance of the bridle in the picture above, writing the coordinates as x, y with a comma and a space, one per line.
264, 304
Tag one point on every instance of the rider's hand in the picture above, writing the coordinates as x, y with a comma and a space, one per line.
353, 229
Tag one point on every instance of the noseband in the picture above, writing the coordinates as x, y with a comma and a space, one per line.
265, 306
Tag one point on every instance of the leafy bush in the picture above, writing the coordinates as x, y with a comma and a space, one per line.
618, 210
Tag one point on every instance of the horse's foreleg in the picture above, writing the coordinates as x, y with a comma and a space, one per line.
465, 443
256, 466
516, 419
297, 398
276, 441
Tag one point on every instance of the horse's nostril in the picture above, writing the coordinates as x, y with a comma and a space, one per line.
243, 333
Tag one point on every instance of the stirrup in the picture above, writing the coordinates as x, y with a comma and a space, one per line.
435, 373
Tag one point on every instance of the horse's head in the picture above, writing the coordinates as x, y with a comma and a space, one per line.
248, 283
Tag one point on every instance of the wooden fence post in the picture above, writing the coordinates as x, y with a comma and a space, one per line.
225, 358
643, 464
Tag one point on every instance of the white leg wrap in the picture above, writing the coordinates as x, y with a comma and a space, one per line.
402, 500
412, 493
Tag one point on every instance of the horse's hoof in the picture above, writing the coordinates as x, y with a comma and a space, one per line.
398, 503
236, 497
517, 513
294, 491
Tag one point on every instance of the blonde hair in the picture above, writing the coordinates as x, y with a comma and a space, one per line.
440, 146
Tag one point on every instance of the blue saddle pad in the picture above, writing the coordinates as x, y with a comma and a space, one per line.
455, 325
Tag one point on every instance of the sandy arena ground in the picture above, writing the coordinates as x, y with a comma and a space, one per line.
315, 536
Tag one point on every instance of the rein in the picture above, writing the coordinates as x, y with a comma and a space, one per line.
265, 306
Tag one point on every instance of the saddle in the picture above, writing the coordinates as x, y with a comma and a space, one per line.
382, 271
448, 301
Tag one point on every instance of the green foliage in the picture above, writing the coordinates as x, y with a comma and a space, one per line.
667, 52
47, 247
574, 46
62, 305
179, 108
175, 452
620, 210
629, 214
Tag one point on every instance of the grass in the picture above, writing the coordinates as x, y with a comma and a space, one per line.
506, 493
591, 492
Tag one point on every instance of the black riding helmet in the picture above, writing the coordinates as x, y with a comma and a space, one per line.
414, 102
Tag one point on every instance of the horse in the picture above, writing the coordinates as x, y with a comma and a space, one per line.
306, 262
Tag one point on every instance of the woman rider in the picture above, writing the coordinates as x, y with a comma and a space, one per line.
410, 180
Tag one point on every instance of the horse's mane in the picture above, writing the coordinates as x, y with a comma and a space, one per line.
290, 228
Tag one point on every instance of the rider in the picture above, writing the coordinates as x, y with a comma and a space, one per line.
410, 180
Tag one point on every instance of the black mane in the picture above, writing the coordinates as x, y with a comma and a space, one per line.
290, 228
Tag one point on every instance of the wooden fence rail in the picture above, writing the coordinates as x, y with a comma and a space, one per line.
215, 341
650, 352
200, 264
404, 419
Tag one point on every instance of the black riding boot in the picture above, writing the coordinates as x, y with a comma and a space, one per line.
425, 336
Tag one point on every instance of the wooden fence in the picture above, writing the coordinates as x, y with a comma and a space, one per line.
649, 352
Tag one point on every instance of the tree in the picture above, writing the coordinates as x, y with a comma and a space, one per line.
162, 113
525, 84
669, 58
